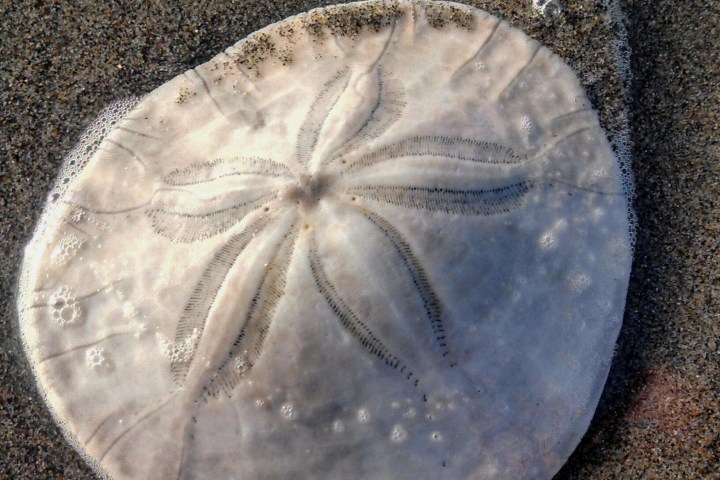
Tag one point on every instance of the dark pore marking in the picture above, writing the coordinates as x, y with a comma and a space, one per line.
248, 346
485, 202
316, 115
431, 302
440, 146
196, 311
308, 190
349, 319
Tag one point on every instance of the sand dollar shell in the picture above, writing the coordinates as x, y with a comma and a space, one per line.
384, 240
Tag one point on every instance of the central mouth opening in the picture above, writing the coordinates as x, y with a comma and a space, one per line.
308, 190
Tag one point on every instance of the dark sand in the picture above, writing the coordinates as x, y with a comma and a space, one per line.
659, 417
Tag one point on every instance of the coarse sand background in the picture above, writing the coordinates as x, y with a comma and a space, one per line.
62, 62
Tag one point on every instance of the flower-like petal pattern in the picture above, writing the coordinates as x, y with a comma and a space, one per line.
384, 111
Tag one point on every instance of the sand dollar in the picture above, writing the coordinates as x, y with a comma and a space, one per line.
384, 240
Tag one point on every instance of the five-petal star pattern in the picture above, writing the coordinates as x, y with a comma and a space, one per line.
334, 175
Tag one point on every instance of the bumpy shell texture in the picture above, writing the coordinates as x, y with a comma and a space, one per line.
384, 240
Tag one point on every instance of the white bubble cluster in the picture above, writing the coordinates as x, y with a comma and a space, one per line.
180, 351
77, 216
598, 175
65, 308
526, 126
363, 415
97, 358
398, 434
65, 250
597, 214
578, 283
128, 310
547, 241
288, 411
338, 426
89, 143
410, 413
142, 328
241, 364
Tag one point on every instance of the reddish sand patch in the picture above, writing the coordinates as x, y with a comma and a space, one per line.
670, 401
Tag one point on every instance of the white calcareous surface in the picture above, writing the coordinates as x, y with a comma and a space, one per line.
376, 241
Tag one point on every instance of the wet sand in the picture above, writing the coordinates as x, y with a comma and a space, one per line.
659, 417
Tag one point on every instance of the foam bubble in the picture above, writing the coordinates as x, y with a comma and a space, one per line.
65, 307
178, 351
288, 411
338, 426
547, 241
579, 282
64, 252
97, 358
363, 415
410, 413
398, 434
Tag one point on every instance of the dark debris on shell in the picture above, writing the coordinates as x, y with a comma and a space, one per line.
257, 48
439, 15
341, 20
350, 20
